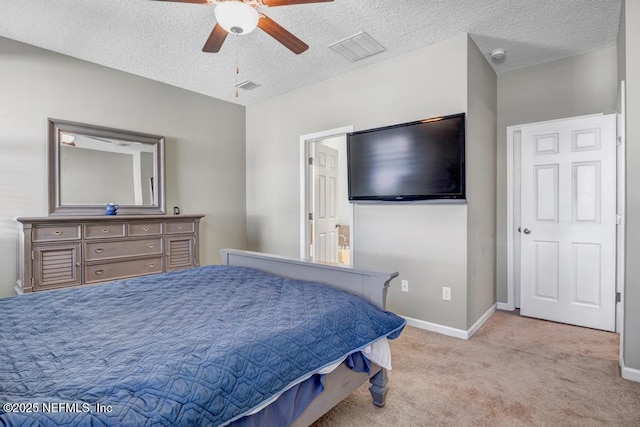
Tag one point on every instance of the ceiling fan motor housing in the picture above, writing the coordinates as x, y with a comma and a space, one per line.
242, 17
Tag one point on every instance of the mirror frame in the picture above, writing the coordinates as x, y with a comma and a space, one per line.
57, 208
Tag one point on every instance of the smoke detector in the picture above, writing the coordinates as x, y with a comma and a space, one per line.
497, 55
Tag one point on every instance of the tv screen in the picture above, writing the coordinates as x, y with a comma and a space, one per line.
421, 160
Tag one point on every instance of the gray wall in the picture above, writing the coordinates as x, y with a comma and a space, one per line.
631, 59
584, 84
426, 243
205, 151
481, 184
622, 44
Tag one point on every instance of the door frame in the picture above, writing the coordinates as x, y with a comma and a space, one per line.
305, 179
621, 158
513, 170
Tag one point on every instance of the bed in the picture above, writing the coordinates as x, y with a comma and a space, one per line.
259, 340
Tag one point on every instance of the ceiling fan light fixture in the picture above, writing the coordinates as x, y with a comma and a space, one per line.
236, 17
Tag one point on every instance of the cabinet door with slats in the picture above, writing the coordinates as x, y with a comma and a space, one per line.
180, 252
56, 266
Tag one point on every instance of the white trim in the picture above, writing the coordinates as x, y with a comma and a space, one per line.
504, 306
435, 327
621, 210
481, 321
304, 140
449, 331
510, 304
630, 374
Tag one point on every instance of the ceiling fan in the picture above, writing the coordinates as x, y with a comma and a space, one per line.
242, 16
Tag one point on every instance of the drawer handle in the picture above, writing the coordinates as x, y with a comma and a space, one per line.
145, 228
105, 230
180, 227
57, 232
151, 265
99, 272
99, 250
151, 246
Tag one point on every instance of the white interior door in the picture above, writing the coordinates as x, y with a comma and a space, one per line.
568, 220
324, 203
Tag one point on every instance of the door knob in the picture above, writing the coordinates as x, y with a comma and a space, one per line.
527, 231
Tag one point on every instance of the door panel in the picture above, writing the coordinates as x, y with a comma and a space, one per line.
546, 270
587, 258
586, 192
568, 219
546, 182
324, 203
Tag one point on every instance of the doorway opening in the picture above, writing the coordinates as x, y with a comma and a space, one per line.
584, 206
327, 217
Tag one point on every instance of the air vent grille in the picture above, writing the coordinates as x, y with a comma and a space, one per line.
357, 47
247, 85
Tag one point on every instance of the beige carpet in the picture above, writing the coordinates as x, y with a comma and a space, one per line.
515, 371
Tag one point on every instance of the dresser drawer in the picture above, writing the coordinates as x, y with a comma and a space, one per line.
144, 229
176, 227
57, 252
95, 251
55, 233
103, 231
120, 270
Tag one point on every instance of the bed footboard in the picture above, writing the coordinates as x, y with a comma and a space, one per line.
370, 285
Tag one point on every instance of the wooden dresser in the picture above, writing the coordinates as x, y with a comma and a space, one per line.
60, 252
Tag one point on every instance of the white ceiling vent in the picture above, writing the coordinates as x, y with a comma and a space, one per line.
247, 85
357, 47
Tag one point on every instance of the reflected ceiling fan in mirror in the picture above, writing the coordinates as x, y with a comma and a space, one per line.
240, 17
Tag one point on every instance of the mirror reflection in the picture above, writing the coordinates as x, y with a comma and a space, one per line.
91, 166
121, 171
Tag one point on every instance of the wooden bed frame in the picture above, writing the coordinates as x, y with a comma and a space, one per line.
372, 286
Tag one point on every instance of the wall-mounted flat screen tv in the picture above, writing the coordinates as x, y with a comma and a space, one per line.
421, 160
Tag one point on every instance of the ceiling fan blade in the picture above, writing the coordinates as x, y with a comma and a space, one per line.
215, 40
278, 32
187, 1
274, 3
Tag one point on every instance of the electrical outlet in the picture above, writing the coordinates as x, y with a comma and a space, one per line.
405, 286
446, 293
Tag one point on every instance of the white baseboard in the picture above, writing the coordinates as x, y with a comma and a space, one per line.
449, 331
505, 306
474, 328
630, 374
435, 327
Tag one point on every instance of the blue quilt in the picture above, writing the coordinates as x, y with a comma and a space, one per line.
194, 347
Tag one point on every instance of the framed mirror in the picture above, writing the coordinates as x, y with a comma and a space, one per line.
90, 166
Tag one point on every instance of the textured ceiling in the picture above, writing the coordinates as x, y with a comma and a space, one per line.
163, 40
